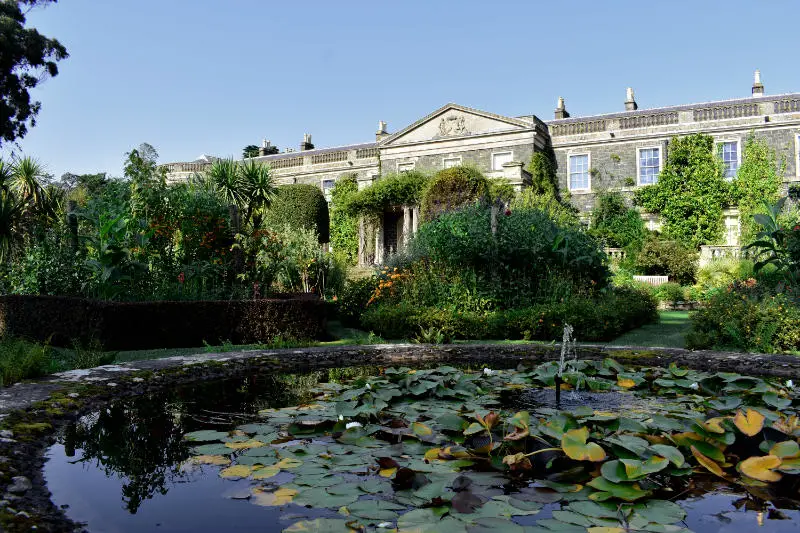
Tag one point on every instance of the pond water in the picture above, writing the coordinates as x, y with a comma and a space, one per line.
130, 467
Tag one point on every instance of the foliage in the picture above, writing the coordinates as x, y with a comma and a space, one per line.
453, 442
501, 191
758, 180
660, 257
352, 300
777, 245
451, 189
523, 260
544, 181
615, 224
22, 360
562, 213
599, 318
718, 274
670, 292
110, 262
691, 192
28, 58
251, 150
301, 207
344, 226
747, 316
405, 188
249, 186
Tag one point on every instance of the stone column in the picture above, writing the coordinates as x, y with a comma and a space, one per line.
415, 220
362, 242
379, 251
406, 226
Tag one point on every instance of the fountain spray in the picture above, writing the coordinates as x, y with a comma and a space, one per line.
567, 345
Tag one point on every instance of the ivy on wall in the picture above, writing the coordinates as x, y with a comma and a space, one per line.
344, 226
757, 181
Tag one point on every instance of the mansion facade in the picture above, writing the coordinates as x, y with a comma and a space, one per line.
622, 150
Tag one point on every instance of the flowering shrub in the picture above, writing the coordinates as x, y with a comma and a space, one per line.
747, 316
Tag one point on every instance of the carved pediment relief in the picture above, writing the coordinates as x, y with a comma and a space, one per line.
452, 121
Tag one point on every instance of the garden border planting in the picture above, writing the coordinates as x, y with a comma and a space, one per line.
32, 413
65, 322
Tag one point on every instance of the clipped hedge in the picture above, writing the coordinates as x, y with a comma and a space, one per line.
300, 206
453, 188
62, 321
595, 319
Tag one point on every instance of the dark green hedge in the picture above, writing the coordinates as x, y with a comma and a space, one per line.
301, 206
595, 319
65, 321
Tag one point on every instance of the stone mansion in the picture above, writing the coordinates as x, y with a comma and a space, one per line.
621, 150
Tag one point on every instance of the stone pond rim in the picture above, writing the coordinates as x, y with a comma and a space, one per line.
31, 413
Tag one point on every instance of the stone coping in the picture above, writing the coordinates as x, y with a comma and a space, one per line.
32, 413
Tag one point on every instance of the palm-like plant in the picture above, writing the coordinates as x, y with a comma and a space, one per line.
22, 198
258, 188
225, 179
26, 181
11, 212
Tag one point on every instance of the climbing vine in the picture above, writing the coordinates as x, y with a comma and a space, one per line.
344, 226
758, 181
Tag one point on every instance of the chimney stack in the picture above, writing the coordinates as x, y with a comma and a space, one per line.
266, 148
561, 111
758, 87
381, 133
306, 144
630, 101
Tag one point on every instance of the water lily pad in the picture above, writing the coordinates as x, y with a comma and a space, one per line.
206, 435
495, 525
785, 449
670, 452
212, 449
266, 472
624, 491
428, 521
749, 422
320, 525
574, 444
708, 463
217, 460
236, 471
374, 510
282, 496
243, 445
761, 468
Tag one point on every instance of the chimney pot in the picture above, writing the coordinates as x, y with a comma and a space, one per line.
561, 110
758, 87
381, 133
306, 144
630, 101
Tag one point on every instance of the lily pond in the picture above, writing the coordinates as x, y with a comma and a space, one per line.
441, 449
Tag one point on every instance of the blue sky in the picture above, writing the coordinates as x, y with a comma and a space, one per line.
205, 76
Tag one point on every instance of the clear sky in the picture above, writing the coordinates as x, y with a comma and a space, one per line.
211, 76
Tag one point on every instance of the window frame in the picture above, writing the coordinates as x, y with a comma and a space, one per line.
588, 171
401, 166
797, 154
639, 164
451, 158
718, 147
327, 193
495, 154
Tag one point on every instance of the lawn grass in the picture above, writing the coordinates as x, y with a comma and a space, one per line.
669, 332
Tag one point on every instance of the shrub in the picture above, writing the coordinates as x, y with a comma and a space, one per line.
501, 191
404, 188
352, 300
453, 188
746, 318
670, 292
22, 360
562, 213
601, 318
300, 206
720, 273
615, 224
668, 258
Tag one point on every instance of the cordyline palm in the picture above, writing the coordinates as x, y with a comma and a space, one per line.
22, 197
26, 182
258, 189
224, 178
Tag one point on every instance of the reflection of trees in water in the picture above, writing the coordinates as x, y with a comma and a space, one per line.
141, 439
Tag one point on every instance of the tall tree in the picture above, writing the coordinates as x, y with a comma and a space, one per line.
26, 59
251, 150
691, 191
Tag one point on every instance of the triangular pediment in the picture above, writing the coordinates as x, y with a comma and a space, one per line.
453, 121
